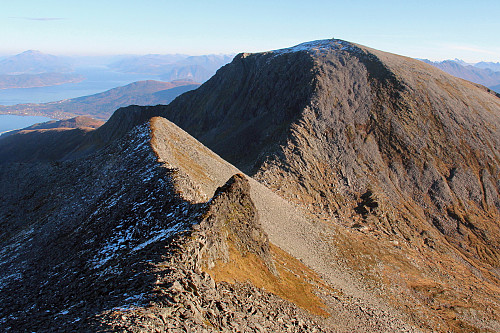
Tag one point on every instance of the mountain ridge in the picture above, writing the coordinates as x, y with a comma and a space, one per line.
382, 105
174, 67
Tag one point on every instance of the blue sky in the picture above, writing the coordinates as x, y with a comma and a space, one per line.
438, 29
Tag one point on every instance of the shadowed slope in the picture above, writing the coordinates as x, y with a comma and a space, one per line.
108, 242
49, 141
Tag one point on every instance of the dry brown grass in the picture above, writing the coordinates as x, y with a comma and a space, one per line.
177, 151
446, 301
295, 283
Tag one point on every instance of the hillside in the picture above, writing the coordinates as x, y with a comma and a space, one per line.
102, 105
386, 145
77, 122
47, 141
323, 187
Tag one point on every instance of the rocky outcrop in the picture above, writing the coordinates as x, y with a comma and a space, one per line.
232, 217
245, 108
186, 297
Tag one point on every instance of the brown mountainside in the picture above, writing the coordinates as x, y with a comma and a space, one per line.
126, 238
385, 144
48, 141
358, 121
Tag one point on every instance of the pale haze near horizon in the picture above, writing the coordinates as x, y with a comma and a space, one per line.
436, 30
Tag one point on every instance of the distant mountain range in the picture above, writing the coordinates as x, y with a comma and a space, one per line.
32, 69
173, 66
102, 105
485, 73
494, 66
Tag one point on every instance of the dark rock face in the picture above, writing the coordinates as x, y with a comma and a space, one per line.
245, 108
233, 215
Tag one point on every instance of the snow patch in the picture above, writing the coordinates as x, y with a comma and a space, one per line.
132, 302
163, 234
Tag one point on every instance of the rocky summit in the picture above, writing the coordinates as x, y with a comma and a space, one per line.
327, 187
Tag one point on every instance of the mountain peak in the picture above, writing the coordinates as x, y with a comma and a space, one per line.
33, 62
320, 45
31, 52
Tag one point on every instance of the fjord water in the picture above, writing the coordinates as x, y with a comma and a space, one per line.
10, 122
97, 79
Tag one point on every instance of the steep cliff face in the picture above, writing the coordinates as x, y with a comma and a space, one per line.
247, 106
